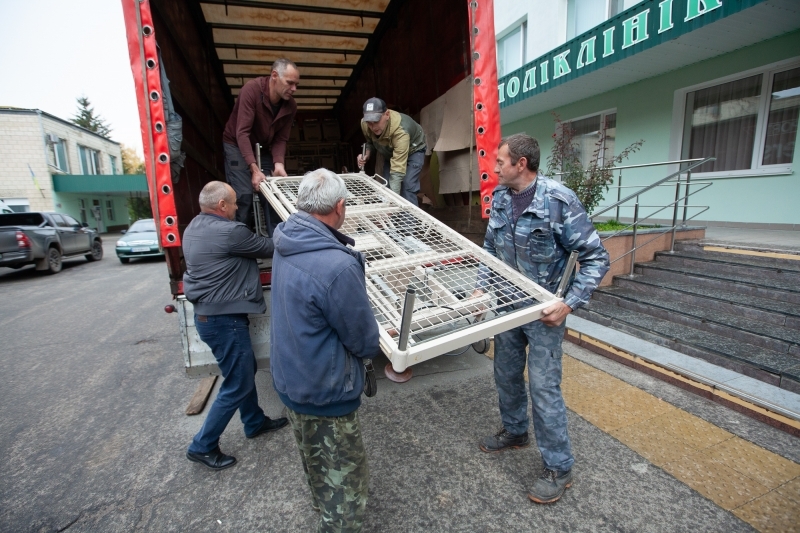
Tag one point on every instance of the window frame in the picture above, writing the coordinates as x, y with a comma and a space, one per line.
522, 25
94, 160
767, 72
603, 114
110, 209
61, 166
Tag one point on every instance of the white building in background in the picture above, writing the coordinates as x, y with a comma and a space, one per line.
527, 29
50, 164
692, 78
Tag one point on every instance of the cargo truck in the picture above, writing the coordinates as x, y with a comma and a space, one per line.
190, 58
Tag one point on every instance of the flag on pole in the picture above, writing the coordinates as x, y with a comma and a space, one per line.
35, 182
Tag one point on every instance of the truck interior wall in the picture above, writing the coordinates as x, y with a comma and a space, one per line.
422, 51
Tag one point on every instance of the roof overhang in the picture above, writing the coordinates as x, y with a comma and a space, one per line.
651, 38
99, 183
327, 41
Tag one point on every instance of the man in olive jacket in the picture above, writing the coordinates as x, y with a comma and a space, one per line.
222, 281
400, 141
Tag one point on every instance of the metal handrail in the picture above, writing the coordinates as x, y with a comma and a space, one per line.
675, 204
656, 184
662, 163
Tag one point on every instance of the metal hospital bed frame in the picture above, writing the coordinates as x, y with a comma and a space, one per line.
420, 274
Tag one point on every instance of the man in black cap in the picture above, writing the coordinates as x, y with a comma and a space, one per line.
400, 141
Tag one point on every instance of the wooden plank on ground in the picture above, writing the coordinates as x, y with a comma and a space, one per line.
198, 401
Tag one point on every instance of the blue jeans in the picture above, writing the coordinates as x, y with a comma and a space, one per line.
228, 336
544, 377
410, 186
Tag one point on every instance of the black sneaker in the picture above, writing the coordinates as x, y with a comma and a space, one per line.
550, 486
504, 440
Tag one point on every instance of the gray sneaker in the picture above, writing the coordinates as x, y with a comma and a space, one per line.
550, 486
503, 440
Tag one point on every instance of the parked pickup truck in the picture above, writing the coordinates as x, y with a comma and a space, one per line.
45, 239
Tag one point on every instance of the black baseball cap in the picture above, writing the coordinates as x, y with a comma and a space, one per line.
373, 109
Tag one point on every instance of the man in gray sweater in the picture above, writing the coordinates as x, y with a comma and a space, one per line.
222, 281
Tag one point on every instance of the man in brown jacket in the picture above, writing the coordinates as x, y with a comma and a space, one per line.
263, 113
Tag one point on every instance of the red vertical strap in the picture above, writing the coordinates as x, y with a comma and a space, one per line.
147, 79
486, 105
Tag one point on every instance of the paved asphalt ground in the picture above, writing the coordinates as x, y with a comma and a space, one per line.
93, 434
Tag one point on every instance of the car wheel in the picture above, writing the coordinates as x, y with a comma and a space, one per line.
97, 252
53, 260
124, 260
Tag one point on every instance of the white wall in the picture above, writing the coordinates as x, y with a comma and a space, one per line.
23, 149
21, 145
77, 136
547, 23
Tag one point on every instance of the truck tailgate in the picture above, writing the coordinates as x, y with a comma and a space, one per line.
197, 356
8, 240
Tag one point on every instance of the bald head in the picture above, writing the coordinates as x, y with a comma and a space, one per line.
218, 198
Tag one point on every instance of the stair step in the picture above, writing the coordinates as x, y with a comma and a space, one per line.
766, 310
752, 286
729, 266
735, 326
745, 257
761, 363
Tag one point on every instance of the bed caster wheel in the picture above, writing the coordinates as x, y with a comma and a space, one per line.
400, 377
481, 346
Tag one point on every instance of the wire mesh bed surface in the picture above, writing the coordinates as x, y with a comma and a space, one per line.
408, 251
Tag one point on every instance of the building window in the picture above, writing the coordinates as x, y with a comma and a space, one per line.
583, 15
748, 123
587, 134
90, 160
18, 205
110, 209
82, 205
511, 50
57, 152
114, 165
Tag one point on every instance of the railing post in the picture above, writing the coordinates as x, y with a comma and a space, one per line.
675, 213
635, 228
619, 192
686, 198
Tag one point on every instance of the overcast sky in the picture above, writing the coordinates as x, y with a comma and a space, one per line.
53, 51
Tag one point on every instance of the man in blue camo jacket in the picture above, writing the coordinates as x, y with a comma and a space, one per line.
535, 223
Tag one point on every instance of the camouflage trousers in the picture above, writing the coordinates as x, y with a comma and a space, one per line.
335, 464
544, 377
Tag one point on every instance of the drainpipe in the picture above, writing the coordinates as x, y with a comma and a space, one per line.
44, 149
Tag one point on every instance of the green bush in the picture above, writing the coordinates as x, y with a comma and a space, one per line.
589, 184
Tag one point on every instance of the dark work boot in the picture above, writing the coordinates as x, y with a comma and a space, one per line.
269, 425
550, 486
503, 440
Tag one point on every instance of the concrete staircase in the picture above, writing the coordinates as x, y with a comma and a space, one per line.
740, 312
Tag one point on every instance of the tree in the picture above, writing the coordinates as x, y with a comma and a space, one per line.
139, 205
131, 162
86, 118
591, 183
